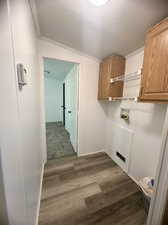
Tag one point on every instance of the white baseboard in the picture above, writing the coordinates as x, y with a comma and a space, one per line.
109, 153
39, 197
133, 179
91, 153
111, 156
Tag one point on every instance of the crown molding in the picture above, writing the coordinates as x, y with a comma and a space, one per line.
139, 50
73, 50
33, 10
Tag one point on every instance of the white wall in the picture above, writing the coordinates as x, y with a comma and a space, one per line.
92, 114
53, 99
3, 207
146, 122
19, 122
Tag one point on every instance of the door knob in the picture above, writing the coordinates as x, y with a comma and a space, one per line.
69, 111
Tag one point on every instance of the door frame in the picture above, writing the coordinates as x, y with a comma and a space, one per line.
160, 196
43, 113
63, 104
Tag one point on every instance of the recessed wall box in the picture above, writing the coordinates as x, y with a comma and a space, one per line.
124, 114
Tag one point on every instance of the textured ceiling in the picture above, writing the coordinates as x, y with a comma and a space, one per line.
117, 27
57, 69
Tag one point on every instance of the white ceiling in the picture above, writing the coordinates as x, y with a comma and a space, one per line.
117, 27
57, 69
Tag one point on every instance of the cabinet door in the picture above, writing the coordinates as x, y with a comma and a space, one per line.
104, 80
155, 68
117, 69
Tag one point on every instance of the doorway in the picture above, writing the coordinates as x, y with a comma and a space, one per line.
61, 99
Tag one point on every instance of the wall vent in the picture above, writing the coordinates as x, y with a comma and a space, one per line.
121, 156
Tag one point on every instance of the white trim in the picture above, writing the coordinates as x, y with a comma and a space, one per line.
39, 197
139, 50
33, 10
110, 154
159, 198
77, 111
91, 153
42, 118
73, 50
133, 179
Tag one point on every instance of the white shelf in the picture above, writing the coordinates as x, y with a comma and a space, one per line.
116, 79
127, 77
111, 99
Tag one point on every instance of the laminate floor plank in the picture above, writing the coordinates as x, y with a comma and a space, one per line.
89, 190
114, 181
71, 205
115, 213
98, 201
51, 188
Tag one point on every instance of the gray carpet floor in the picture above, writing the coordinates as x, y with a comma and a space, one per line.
58, 141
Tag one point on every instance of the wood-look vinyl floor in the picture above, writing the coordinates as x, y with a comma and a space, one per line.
89, 190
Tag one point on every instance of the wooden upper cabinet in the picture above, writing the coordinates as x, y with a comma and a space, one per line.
111, 67
154, 84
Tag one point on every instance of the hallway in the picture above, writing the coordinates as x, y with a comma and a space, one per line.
58, 141
89, 190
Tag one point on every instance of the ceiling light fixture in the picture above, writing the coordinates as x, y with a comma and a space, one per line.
99, 2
